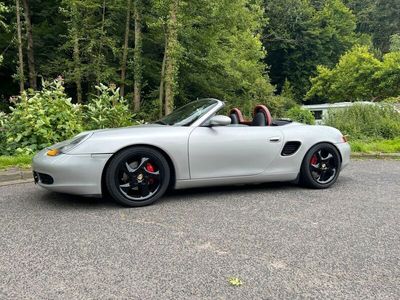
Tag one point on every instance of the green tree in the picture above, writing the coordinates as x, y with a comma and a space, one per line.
89, 46
217, 52
358, 76
385, 21
335, 29
3, 26
223, 53
138, 56
178, 51
21, 75
303, 34
388, 76
30, 47
395, 42
378, 18
3, 10
287, 90
125, 48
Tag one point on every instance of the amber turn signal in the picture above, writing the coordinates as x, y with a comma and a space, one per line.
53, 152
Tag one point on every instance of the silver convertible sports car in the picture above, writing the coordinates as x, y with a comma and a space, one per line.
192, 147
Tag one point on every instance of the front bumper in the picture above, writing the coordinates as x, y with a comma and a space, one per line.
345, 152
71, 174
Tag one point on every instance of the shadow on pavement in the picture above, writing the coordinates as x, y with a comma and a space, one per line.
217, 190
196, 194
66, 201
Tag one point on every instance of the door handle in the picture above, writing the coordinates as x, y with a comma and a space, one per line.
275, 139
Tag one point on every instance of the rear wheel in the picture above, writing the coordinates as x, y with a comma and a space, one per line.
137, 176
321, 166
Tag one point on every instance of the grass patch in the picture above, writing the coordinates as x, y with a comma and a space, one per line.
376, 146
22, 161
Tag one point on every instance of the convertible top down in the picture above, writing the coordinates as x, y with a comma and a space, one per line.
192, 147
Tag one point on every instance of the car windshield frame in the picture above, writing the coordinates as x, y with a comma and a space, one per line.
189, 113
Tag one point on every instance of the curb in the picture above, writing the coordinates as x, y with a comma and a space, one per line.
15, 182
376, 155
13, 175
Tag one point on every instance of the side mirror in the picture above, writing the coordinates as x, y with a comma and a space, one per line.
220, 120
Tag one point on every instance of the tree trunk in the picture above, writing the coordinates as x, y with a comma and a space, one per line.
29, 35
125, 49
20, 54
76, 54
137, 85
102, 33
77, 71
161, 96
171, 50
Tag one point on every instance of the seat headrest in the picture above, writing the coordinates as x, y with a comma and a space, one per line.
238, 113
259, 120
263, 109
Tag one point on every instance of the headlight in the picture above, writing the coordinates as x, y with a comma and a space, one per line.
67, 145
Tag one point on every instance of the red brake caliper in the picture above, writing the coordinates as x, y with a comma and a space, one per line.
150, 168
314, 160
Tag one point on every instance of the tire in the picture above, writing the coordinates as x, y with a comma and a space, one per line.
137, 176
320, 167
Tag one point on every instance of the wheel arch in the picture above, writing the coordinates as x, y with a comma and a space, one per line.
324, 142
171, 165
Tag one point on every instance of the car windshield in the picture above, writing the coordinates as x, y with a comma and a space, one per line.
188, 114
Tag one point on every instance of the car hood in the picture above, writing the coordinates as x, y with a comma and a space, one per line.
121, 129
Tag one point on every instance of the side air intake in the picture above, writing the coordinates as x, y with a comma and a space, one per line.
290, 148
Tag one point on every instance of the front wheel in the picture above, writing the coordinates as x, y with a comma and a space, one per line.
137, 176
321, 166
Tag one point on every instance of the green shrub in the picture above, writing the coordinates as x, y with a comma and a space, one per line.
107, 110
3, 120
392, 100
366, 121
301, 115
280, 105
41, 118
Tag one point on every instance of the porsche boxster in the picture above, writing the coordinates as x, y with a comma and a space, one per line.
194, 146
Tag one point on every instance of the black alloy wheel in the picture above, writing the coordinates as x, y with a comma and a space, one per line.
137, 176
321, 166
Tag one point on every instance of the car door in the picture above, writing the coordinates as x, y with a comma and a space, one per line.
230, 151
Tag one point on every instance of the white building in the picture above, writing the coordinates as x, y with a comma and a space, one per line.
321, 110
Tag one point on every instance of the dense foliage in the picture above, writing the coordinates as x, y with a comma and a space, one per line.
107, 110
302, 34
358, 76
160, 53
3, 26
3, 121
378, 18
164, 53
41, 118
366, 121
301, 115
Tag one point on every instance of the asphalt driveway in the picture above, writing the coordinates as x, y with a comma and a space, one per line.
282, 241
